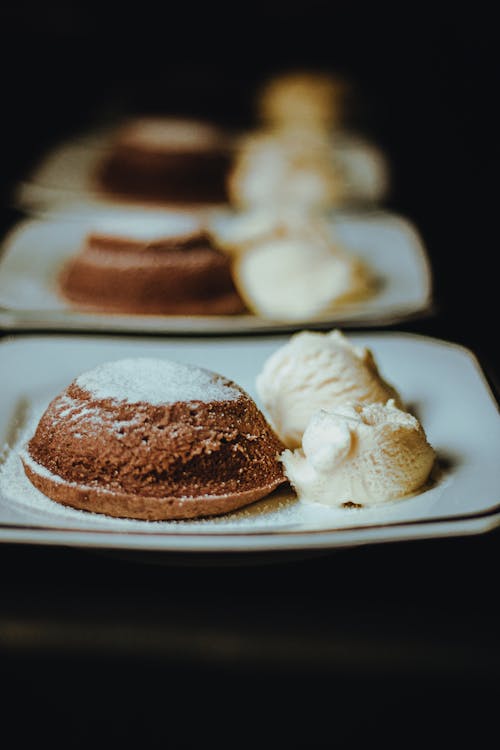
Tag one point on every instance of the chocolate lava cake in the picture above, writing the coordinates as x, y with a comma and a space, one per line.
153, 439
183, 274
167, 159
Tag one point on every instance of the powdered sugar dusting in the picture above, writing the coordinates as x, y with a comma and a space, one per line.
276, 511
42, 471
74, 413
280, 511
155, 381
73, 410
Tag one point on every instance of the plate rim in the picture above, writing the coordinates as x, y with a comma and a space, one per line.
347, 316
244, 541
96, 139
473, 524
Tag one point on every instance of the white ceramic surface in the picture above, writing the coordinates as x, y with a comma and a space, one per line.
66, 173
34, 250
442, 383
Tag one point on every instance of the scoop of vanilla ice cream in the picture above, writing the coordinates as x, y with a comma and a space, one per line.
303, 97
362, 453
293, 278
314, 371
292, 169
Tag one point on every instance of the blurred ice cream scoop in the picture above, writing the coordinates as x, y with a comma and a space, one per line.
295, 168
291, 278
305, 98
364, 454
236, 232
314, 371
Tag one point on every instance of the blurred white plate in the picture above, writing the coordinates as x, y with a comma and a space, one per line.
442, 383
66, 174
35, 249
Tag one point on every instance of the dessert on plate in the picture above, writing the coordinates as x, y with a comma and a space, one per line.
138, 265
349, 440
153, 439
162, 158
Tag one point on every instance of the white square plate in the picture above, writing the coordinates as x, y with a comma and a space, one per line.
66, 173
441, 382
35, 249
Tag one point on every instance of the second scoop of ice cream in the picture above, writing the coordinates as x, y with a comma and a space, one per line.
365, 454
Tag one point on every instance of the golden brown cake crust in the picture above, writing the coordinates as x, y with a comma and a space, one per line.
155, 462
183, 275
123, 505
189, 169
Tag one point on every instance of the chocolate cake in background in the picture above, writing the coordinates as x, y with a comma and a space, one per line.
167, 159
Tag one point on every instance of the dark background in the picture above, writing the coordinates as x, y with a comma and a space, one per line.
316, 649
426, 80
